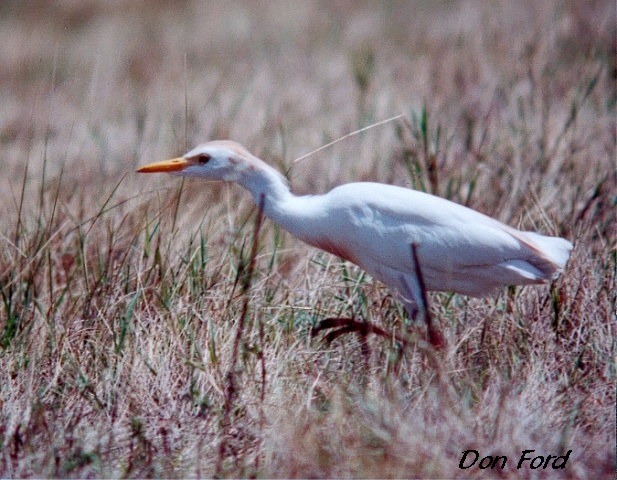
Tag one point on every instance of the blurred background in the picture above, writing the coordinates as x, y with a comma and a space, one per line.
107, 85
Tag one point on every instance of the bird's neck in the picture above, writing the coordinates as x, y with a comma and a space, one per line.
300, 216
268, 182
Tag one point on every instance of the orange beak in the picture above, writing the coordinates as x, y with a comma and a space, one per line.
172, 165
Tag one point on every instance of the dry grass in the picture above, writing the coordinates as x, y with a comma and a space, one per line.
122, 295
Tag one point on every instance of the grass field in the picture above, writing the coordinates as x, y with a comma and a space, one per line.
134, 341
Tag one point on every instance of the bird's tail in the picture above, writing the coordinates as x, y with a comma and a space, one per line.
556, 248
550, 253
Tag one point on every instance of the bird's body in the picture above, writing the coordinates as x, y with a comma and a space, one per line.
373, 225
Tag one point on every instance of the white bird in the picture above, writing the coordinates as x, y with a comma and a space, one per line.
372, 225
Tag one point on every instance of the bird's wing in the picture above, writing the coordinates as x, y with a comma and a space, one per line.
373, 226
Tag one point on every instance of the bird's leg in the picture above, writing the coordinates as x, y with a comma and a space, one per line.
416, 302
433, 335
341, 326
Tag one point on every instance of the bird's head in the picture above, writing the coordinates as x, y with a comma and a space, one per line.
218, 160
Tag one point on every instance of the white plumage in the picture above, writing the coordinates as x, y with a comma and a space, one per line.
374, 224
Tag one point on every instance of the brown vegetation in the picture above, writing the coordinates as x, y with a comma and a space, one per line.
134, 340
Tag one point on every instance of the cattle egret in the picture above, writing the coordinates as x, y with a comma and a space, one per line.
373, 225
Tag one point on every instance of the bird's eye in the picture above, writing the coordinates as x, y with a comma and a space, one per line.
203, 158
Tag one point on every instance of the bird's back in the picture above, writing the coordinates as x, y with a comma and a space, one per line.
459, 249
